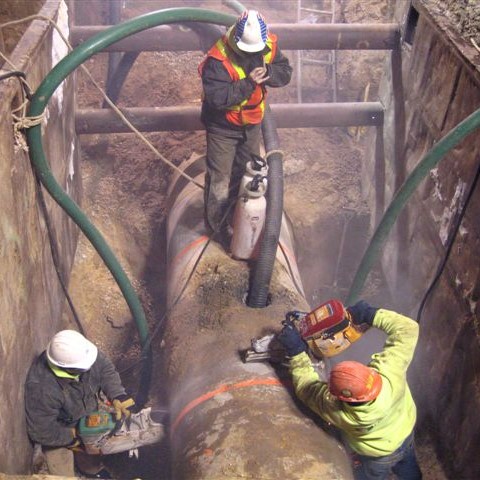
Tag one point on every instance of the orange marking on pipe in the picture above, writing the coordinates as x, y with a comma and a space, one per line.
194, 244
222, 389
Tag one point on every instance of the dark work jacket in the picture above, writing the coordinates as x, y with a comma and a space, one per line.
221, 92
54, 405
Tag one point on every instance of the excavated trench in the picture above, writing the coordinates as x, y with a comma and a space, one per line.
125, 195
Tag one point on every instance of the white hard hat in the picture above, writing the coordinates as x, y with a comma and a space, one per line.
251, 32
70, 349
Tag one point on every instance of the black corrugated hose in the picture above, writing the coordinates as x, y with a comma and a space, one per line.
263, 268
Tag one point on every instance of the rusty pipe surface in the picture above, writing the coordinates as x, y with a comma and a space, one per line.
187, 118
230, 419
293, 36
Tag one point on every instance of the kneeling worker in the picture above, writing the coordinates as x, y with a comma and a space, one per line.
371, 405
62, 386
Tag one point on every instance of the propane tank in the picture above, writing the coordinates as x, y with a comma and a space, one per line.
248, 219
256, 166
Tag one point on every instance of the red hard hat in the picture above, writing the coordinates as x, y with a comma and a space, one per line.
354, 382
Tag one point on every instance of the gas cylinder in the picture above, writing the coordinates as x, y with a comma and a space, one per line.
256, 166
248, 219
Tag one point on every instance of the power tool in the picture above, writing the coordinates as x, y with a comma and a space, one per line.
102, 435
328, 331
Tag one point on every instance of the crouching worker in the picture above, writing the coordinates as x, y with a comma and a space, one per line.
62, 386
371, 405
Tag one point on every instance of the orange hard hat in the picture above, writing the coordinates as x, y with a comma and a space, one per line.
354, 382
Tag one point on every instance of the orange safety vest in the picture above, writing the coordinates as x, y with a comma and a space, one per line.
251, 110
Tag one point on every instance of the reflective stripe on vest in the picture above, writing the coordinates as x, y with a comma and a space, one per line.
62, 373
251, 110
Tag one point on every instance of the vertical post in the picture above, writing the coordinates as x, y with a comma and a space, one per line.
299, 57
379, 174
2, 43
399, 153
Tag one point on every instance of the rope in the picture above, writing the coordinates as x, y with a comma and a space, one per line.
20, 122
474, 43
105, 96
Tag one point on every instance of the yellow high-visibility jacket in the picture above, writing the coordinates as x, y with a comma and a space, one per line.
379, 427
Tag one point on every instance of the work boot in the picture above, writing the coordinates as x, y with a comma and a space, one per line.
90, 466
225, 237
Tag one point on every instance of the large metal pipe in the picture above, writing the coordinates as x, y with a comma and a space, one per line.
187, 118
114, 58
293, 36
231, 419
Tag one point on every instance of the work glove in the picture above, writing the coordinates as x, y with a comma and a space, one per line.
122, 405
362, 313
291, 339
76, 441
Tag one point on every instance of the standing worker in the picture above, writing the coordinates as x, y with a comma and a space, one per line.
62, 386
235, 74
371, 405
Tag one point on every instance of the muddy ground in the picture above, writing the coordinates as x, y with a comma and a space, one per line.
125, 193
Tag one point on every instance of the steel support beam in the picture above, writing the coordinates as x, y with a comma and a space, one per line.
293, 37
187, 118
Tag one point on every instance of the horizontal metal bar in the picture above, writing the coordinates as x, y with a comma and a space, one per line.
187, 118
340, 36
313, 10
311, 61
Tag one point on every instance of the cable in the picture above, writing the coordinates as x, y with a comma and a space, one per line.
18, 74
13, 73
450, 243
404, 193
215, 232
54, 250
156, 330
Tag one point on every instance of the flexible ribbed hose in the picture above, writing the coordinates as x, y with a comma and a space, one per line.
263, 268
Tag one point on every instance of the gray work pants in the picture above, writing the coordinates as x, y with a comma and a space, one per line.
61, 462
226, 160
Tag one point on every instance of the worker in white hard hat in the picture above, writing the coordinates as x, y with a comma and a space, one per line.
235, 75
62, 386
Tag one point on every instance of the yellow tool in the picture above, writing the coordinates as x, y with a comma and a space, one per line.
328, 330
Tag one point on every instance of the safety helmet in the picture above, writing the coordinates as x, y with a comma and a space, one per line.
251, 32
354, 382
70, 349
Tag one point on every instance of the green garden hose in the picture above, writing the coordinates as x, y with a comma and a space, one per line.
37, 155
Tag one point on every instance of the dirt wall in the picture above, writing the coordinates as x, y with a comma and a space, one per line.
31, 300
441, 88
